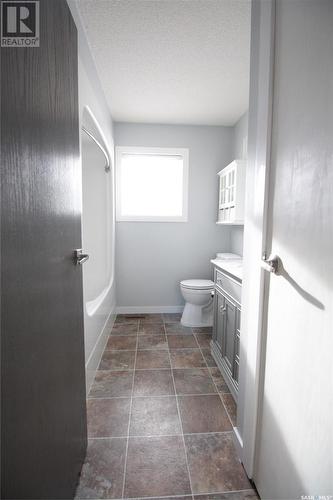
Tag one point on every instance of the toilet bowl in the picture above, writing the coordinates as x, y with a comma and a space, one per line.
198, 310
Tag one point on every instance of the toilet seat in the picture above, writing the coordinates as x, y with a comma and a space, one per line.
197, 284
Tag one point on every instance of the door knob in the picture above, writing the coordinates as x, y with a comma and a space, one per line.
79, 257
272, 264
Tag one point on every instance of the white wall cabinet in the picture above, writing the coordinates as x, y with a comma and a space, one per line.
232, 193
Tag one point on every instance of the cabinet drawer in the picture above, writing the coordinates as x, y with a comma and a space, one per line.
228, 285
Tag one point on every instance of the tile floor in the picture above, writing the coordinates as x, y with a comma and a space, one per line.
160, 417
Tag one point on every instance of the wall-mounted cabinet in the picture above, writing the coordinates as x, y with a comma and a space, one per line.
232, 193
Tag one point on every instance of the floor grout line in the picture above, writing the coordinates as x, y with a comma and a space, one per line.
157, 369
147, 334
146, 350
185, 495
152, 436
130, 413
160, 395
181, 426
194, 495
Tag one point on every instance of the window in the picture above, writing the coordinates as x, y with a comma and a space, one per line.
152, 184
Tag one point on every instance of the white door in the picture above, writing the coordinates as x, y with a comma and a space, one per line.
295, 448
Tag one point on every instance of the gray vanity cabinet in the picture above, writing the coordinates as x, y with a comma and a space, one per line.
225, 342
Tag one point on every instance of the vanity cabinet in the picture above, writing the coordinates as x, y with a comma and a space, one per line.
226, 329
232, 193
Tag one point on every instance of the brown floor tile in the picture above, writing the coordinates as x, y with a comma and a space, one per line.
117, 360
203, 414
235, 495
219, 380
208, 357
111, 384
103, 470
172, 317
152, 319
187, 358
124, 329
156, 467
181, 341
128, 318
177, 329
153, 383
151, 329
203, 329
177, 497
214, 465
152, 359
231, 407
154, 416
204, 340
152, 342
108, 417
125, 343
193, 381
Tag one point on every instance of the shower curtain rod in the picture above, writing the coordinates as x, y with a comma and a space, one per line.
107, 166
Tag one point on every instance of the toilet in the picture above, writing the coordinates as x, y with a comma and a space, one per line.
198, 296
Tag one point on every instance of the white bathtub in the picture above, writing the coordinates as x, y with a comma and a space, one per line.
98, 228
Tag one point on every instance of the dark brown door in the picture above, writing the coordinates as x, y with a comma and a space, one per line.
42, 349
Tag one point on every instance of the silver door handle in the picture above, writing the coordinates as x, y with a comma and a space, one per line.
272, 264
79, 257
223, 309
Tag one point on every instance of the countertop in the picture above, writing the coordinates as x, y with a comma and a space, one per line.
232, 267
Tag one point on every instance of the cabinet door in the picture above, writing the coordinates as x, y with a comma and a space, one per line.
237, 337
229, 333
223, 190
231, 186
219, 320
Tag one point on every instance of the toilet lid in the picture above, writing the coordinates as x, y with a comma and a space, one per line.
197, 284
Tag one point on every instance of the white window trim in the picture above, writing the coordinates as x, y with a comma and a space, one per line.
120, 150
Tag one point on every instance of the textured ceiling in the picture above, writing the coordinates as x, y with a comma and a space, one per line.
171, 61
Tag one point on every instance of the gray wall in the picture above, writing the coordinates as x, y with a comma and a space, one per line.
151, 258
239, 152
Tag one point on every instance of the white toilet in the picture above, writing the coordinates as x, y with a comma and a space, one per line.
198, 309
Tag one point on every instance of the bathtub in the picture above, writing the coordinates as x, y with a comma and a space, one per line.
98, 237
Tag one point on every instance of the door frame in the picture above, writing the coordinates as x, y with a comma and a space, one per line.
255, 283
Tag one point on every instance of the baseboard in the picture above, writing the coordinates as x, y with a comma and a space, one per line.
238, 442
95, 356
148, 309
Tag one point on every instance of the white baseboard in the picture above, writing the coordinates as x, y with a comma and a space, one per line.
238, 442
95, 356
148, 309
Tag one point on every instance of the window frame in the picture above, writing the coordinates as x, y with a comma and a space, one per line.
183, 152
